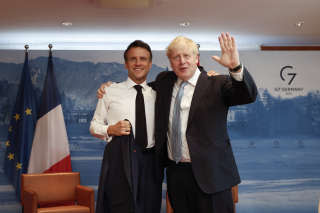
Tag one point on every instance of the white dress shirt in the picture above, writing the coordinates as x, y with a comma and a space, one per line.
118, 104
185, 108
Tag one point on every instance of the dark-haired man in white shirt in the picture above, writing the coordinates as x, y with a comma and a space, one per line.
115, 114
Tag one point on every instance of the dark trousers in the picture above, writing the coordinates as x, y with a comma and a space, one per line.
149, 189
186, 196
147, 186
118, 196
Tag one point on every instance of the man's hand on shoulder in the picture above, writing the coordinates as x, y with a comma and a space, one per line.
101, 91
212, 73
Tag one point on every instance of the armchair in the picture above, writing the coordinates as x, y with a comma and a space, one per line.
55, 192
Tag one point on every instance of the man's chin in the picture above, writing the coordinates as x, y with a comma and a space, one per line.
182, 75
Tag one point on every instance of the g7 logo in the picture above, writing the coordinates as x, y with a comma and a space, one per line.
290, 74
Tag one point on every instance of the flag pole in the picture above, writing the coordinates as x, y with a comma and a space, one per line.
26, 47
50, 50
50, 47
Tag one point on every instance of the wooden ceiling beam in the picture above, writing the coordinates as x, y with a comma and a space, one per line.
289, 48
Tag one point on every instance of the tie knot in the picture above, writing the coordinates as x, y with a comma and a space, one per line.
183, 84
138, 87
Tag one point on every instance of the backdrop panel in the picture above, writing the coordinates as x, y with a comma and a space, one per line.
276, 140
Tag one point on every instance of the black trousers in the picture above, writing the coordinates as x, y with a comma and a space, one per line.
186, 196
143, 172
117, 194
149, 189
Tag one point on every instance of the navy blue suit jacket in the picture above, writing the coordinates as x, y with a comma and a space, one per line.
116, 184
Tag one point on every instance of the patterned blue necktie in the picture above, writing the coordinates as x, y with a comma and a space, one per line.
176, 139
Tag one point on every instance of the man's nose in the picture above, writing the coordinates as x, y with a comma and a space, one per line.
138, 62
182, 60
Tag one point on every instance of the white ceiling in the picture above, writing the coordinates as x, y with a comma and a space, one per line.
252, 22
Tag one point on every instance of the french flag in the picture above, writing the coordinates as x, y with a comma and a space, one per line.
50, 147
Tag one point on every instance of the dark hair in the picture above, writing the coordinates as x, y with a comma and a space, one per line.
138, 43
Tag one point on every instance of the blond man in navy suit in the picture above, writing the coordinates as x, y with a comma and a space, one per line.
201, 177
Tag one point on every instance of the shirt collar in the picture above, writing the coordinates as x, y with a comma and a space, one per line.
193, 80
130, 83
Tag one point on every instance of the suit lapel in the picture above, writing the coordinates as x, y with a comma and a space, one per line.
168, 88
201, 87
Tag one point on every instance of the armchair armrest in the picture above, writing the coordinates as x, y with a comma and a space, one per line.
235, 194
85, 197
30, 201
168, 204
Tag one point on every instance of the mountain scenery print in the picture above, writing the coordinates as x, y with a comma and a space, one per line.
275, 140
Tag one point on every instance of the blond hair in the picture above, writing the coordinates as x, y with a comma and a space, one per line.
182, 41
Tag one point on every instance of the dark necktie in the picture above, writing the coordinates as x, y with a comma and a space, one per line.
141, 126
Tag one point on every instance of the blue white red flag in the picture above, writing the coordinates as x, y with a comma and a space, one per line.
50, 149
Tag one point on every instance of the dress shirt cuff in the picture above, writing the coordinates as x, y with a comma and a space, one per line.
100, 131
108, 138
238, 76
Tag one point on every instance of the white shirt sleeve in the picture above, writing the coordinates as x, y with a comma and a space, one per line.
98, 125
